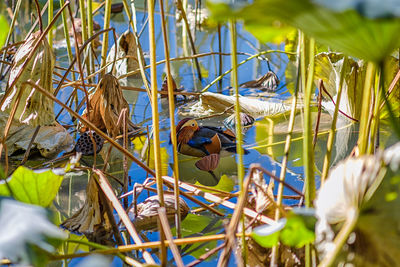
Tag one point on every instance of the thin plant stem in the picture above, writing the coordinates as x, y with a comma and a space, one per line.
288, 142
90, 33
308, 151
181, 8
205, 89
167, 230
340, 239
66, 35
107, 15
331, 137
139, 52
49, 19
156, 121
11, 30
108, 191
239, 135
171, 99
365, 109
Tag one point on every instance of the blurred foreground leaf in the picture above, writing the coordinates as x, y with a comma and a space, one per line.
26, 234
347, 31
296, 230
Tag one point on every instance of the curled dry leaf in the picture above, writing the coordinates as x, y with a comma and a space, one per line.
147, 213
106, 105
164, 86
34, 108
78, 30
92, 219
268, 82
262, 193
127, 59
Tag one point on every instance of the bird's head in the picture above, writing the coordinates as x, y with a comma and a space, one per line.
185, 129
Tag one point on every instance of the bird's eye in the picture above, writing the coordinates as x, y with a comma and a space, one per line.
193, 124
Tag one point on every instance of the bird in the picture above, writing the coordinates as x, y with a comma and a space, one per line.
200, 141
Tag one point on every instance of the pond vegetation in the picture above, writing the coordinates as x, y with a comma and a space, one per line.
225, 133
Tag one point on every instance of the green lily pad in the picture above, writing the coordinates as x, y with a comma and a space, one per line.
34, 187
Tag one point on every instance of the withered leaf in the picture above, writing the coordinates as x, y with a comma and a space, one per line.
34, 108
106, 105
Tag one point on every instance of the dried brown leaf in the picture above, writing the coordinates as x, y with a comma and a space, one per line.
34, 108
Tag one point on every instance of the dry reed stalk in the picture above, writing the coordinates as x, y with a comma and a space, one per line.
171, 106
108, 191
168, 234
212, 198
104, 48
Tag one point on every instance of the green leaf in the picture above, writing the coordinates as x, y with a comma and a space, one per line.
296, 233
4, 30
34, 187
296, 230
225, 184
26, 234
268, 235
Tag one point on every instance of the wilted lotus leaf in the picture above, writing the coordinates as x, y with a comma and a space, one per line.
92, 219
106, 105
245, 119
268, 82
50, 140
212, 102
147, 212
126, 56
34, 108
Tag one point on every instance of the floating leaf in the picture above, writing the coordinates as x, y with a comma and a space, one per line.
224, 184
26, 234
37, 187
268, 235
296, 230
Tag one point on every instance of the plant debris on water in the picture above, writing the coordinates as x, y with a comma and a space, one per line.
218, 133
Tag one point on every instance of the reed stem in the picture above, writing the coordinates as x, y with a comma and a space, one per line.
274, 253
104, 48
156, 122
331, 137
171, 103
49, 19
239, 135
365, 109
